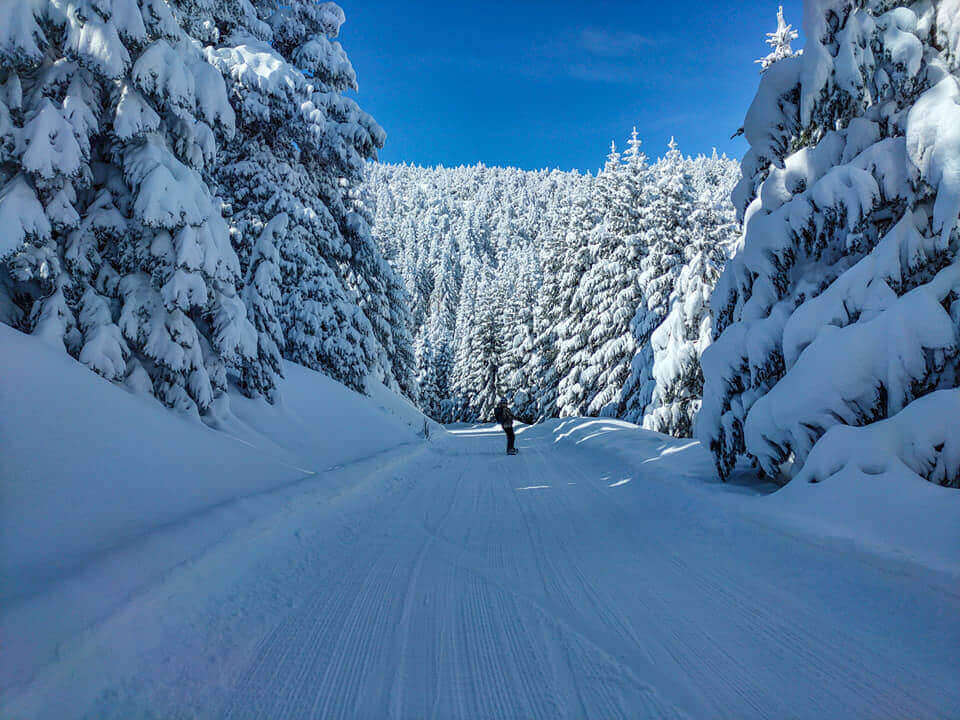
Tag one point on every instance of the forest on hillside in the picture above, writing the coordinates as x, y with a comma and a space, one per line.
553, 289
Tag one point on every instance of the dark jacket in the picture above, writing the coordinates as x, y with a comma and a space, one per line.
503, 416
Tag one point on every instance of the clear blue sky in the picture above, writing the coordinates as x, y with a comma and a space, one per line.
536, 84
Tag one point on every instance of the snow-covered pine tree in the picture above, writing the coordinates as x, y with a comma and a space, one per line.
842, 307
261, 294
429, 390
366, 275
111, 119
464, 332
613, 283
583, 274
378, 288
403, 365
438, 333
478, 381
679, 342
540, 363
520, 388
300, 152
665, 232
779, 40
486, 383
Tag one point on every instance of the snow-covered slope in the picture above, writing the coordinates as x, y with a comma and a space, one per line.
872, 499
88, 467
595, 575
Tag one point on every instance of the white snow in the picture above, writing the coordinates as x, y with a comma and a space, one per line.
134, 115
51, 145
161, 71
20, 35
97, 44
864, 466
909, 340
318, 558
64, 500
933, 141
21, 215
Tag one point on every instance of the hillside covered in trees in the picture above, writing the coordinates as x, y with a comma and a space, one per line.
568, 294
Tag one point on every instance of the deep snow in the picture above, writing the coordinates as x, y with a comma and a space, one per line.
322, 560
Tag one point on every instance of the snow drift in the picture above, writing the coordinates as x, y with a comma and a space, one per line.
87, 466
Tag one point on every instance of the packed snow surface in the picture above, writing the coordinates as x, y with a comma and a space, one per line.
320, 559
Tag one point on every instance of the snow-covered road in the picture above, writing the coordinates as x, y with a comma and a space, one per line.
455, 582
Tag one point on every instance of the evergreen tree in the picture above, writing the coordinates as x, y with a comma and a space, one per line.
539, 367
572, 333
849, 247
484, 370
612, 282
780, 41
518, 329
428, 384
403, 365
666, 230
262, 297
679, 342
111, 120
300, 152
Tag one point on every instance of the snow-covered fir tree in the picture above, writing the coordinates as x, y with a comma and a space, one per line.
301, 153
573, 334
616, 291
124, 126
665, 232
539, 366
118, 250
780, 42
518, 327
483, 379
464, 332
841, 307
262, 297
678, 343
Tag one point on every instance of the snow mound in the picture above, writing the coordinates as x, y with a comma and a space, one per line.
87, 467
870, 483
866, 485
907, 444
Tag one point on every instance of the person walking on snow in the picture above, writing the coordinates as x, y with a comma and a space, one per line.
505, 418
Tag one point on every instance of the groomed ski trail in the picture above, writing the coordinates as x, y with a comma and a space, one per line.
560, 583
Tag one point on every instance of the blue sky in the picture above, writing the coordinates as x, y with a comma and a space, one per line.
540, 84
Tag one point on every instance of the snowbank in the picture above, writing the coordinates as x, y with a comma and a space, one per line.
644, 449
870, 485
881, 483
87, 467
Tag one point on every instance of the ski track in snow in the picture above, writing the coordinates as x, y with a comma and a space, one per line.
436, 588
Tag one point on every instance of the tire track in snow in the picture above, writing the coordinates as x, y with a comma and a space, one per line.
461, 597
397, 689
746, 606
571, 602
